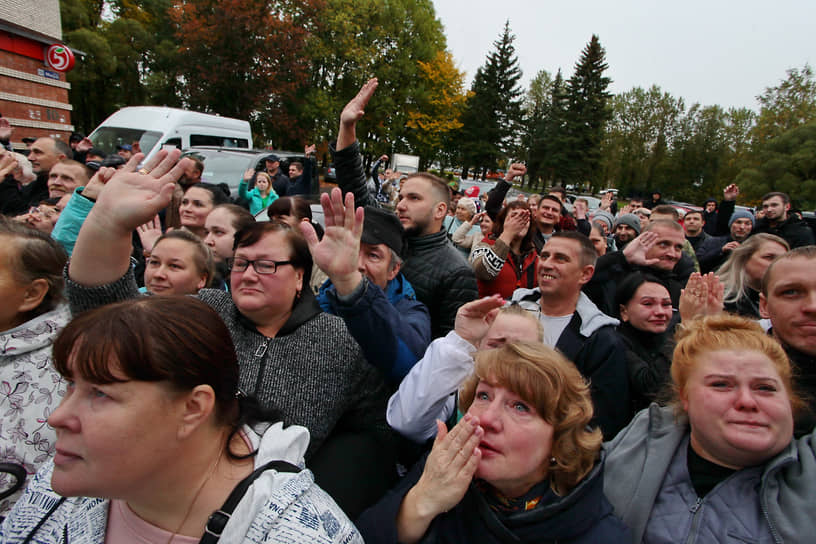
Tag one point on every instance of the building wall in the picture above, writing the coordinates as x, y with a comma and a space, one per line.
39, 16
33, 96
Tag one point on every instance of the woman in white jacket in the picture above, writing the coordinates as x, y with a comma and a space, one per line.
31, 315
153, 443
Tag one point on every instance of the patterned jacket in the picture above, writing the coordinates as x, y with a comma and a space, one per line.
30, 389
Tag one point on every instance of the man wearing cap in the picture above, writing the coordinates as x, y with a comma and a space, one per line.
125, 151
362, 257
626, 229
280, 181
715, 250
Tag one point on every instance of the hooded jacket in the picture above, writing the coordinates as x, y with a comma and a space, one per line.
30, 390
280, 507
583, 516
639, 458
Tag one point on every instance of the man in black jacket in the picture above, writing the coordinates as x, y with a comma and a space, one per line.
577, 328
441, 277
778, 221
657, 251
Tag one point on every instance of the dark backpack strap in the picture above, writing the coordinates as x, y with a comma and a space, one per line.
218, 520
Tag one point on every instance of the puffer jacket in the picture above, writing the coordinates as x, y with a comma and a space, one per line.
639, 458
442, 278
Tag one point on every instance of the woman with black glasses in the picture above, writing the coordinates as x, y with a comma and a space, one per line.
292, 356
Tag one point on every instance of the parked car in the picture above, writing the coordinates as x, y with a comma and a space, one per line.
331, 174
228, 164
683, 207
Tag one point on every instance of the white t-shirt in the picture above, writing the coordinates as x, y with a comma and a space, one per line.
553, 327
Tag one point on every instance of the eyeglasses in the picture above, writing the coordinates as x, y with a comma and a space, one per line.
45, 212
261, 266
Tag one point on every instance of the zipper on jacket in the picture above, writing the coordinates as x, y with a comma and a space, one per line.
259, 353
695, 520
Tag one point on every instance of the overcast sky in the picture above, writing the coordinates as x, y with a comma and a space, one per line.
712, 52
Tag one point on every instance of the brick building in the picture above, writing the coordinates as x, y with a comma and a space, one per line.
33, 94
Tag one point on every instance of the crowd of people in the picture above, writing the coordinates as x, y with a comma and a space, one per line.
426, 366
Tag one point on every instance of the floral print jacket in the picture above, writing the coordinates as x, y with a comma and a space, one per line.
30, 389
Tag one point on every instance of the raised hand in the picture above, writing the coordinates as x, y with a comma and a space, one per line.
5, 129
248, 174
731, 192
445, 479
7, 163
337, 254
474, 318
515, 225
309, 150
355, 109
353, 112
580, 209
98, 182
85, 144
693, 298
636, 250
606, 201
131, 198
149, 233
516, 169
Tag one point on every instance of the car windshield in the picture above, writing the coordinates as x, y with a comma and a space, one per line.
222, 167
107, 138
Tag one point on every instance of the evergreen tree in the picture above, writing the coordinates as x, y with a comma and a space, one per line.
548, 153
587, 115
492, 121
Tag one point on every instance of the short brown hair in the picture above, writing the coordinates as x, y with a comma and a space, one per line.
202, 256
175, 339
300, 256
667, 209
438, 186
240, 216
804, 252
701, 336
548, 381
784, 196
37, 256
586, 251
665, 223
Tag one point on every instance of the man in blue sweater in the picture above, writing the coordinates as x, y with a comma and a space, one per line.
361, 253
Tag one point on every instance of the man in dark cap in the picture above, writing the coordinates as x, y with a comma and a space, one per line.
361, 252
280, 181
125, 151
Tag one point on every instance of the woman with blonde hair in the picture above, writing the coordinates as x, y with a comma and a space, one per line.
743, 270
719, 464
522, 465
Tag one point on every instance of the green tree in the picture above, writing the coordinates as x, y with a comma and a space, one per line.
357, 40
492, 122
439, 102
785, 106
588, 114
639, 137
788, 164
